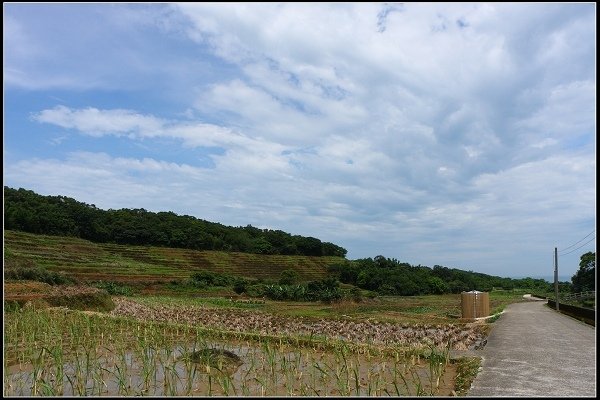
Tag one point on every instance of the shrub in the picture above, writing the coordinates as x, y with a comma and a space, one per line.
371, 294
327, 290
100, 301
288, 277
355, 294
324, 290
207, 278
114, 288
256, 290
240, 286
36, 273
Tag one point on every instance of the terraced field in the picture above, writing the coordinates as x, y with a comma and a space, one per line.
89, 261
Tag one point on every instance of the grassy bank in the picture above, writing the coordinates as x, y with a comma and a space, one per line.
89, 261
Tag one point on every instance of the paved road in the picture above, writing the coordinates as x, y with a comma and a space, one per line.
535, 351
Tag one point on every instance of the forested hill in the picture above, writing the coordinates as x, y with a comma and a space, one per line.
25, 210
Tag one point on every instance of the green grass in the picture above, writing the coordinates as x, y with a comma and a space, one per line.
466, 371
90, 261
218, 302
64, 354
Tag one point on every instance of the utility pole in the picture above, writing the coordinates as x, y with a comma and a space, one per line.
556, 275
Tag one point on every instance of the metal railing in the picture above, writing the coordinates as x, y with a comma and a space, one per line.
590, 294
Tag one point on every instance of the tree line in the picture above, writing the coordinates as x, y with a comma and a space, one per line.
25, 210
585, 278
391, 277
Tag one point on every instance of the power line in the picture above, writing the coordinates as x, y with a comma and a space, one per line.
564, 254
578, 241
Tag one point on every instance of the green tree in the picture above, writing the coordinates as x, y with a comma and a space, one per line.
437, 285
261, 246
308, 246
27, 211
288, 277
585, 278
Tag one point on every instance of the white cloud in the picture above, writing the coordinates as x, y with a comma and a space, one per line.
436, 132
412, 89
568, 110
96, 122
509, 210
17, 42
545, 143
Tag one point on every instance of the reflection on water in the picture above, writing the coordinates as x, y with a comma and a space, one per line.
261, 370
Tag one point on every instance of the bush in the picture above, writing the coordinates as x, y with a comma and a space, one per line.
324, 290
327, 290
256, 290
207, 278
100, 301
114, 288
288, 277
36, 274
240, 286
355, 294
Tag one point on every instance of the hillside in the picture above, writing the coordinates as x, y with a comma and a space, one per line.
88, 261
27, 211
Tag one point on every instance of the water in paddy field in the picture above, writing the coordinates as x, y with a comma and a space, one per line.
262, 370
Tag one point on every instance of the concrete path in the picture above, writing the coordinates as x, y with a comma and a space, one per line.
535, 351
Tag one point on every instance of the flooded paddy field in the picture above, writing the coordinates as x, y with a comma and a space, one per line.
139, 350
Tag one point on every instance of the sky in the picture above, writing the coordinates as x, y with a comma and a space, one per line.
454, 134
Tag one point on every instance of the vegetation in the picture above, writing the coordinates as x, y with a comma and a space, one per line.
466, 371
35, 273
323, 325
187, 271
26, 211
114, 288
390, 277
32, 294
585, 278
17, 267
59, 353
326, 290
322, 290
157, 346
147, 267
430, 309
133, 246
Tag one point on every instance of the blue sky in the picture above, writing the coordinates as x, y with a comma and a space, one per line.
455, 134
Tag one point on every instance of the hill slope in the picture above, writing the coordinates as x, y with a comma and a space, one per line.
88, 261
27, 211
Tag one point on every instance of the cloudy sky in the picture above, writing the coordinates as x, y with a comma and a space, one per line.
454, 134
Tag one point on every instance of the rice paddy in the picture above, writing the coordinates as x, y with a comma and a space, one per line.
58, 352
216, 346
